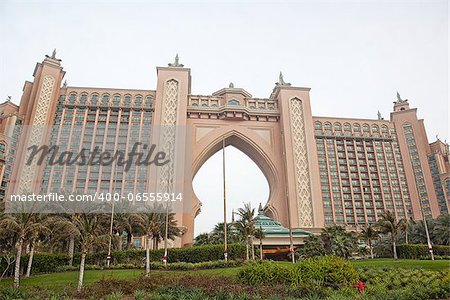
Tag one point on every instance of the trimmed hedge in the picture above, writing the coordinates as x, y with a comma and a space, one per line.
42, 263
321, 271
194, 254
418, 251
50, 262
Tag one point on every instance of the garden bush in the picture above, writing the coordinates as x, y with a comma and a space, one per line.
48, 262
407, 284
188, 254
325, 271
417, 251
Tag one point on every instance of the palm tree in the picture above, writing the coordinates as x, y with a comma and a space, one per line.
369, 233
89, 229
259, 234
216, 236
441, 230
313, 247
21, 225
154, 228
246, 224
126, 222
338, 241
202, 239
388, 224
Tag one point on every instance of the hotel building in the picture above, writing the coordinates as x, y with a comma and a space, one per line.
321, 170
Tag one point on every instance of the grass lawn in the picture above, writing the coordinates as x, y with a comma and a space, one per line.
68, 280
437, 265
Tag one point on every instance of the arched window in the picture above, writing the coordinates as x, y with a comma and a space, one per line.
83, 98
384, 129
327, 126
347, 127
337, 127
366, 128
72, 97
318, 125
149, 101
375, 128
94, 99
356, 127
105, 98
116, 99
127, 99
233, 102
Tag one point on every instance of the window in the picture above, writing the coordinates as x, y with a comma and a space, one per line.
318, 125
337, 127
356, 128
233, 102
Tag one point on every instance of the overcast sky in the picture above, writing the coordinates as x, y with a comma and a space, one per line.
354, 55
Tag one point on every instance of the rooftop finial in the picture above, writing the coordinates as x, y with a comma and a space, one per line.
65, 83
8, 98
260, 209
399, 99
379, 116
231, 85
281, 81
176, 62
53, 56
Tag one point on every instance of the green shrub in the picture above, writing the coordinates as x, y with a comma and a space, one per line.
405, 284
188, 254
416, 251
330, 271
312, 273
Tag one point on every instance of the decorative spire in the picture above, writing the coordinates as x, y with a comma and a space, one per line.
65, 83
399, 99
8, 98
379, 116
53, 56
260, 209
281, 81
231, 85
176, 63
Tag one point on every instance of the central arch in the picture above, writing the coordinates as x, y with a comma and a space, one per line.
262, 151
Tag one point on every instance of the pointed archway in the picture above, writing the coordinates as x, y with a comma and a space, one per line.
245, 184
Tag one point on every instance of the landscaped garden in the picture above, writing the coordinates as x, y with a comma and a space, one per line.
316, 278
334, 265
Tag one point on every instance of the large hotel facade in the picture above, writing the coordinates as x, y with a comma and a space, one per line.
320, 170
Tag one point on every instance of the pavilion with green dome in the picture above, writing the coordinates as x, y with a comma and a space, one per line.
275, 241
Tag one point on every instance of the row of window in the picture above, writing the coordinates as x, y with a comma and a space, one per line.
356, 127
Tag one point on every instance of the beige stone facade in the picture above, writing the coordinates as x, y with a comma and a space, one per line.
320, 170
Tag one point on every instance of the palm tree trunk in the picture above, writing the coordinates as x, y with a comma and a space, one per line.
394, 248
119, 246
260, 249
81, 274
371, 249
30, 259
71, 249
246, 245
128, 241
253, 248
147, 257
19, 245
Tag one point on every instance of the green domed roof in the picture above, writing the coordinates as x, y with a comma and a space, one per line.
269, 226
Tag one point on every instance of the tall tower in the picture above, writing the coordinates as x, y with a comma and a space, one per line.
37, 108
301, 169
415, 149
